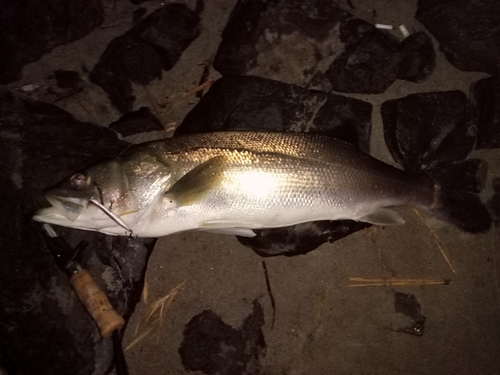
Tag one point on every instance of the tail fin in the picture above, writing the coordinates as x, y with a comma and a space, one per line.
464, 210
457, 201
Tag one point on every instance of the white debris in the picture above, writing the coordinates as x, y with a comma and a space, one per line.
28, 88
404, 31
383, 26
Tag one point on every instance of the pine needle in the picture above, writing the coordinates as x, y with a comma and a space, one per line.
440, 244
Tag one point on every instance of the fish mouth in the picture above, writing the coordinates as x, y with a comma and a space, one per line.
81, 213
63, 209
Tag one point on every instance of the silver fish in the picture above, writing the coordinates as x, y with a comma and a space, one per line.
234, 182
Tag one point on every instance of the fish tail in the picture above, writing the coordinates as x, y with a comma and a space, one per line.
461, 208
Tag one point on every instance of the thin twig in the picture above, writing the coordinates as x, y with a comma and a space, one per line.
152, 324
191, 92
440, 244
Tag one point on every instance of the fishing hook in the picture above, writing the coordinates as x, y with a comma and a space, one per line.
115, 218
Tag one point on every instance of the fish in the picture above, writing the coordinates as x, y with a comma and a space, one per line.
235, 182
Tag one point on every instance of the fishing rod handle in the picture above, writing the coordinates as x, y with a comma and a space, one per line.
96, 303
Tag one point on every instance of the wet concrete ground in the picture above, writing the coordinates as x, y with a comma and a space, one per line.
322, 325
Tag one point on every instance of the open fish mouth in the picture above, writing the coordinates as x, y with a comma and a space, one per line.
63, 209
69, 208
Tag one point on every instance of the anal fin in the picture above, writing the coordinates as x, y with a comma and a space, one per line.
383, 216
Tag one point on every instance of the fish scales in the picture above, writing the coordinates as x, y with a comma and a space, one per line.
348, 166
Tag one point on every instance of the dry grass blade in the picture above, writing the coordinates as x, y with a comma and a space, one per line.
438, 241
158, 304
364, 282
162, 304
193, 91
145, 292
181, 96
178, 97
139, 338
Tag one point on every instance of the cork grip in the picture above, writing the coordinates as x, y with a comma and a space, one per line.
96, 303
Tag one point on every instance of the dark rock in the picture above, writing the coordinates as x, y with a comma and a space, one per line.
301, 238
282, 40
135, 122
68, 79
140, 55
295, 41
41, 316
138, 14
370, 62
408, 306
124, 61
419, 58
428, 130
485, 96
214, 347
467, 31
292, 41
467, 175
29, 29
259, 104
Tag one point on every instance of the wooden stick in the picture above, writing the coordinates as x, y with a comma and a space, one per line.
364, 282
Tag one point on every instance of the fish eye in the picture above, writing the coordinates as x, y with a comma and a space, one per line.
78, 181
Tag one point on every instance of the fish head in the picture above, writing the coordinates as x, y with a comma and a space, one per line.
82, 199
109, 196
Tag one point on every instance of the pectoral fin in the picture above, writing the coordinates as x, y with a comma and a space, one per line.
193, 186
383, 216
